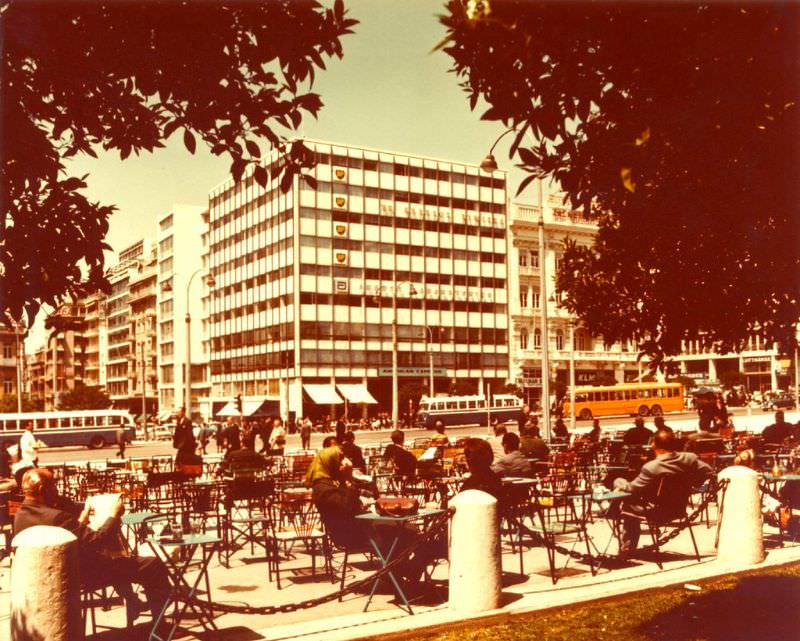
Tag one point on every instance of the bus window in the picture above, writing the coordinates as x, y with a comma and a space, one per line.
65, 421
3, 426
644, 393
115, 420
603, 396
462, 405
591, 397
581, 398
88, 421
451, 405
481, 404
472, 405
423, 407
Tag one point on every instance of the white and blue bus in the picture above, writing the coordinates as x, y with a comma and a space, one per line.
468, 410
90, 428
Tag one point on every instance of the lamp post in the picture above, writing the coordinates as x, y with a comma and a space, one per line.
572, 374
395, 399
429, 336
489, 164
188, 372
796, 370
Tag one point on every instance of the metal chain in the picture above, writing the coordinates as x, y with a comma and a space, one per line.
438, 526
590, 558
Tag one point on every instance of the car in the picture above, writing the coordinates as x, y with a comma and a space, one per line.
778, 401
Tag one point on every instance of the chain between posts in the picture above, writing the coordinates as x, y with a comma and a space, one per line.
438, 526
590, 558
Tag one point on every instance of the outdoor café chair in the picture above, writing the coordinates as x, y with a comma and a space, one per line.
246, 516
668, 510
296, 521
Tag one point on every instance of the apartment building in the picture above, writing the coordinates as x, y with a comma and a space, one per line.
10, 351
183, 289
309, 283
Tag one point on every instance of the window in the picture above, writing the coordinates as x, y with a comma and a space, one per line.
535, 299
8, 386
523, 260
523, 298
8, 350
537, 338
166, 223
534, 258
559, 339
523, 338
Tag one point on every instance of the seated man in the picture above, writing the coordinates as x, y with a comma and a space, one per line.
241, 461
440, 438
778, 432
43, 506
478, 454
638, 434
404, 461
683, 467
514, 462
532, 446
353, 451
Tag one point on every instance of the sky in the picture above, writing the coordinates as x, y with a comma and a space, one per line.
387, 92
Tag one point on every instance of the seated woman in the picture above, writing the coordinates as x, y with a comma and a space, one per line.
479, 456
338, 501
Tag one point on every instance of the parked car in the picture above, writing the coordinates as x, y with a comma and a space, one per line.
778, 401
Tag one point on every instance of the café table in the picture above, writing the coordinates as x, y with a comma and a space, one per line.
609, 514
134, 525
386, 553
183, 592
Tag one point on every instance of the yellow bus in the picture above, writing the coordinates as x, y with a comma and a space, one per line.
643, 399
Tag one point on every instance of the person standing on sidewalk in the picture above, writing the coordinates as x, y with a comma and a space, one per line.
305, 433
28, 447
122, 440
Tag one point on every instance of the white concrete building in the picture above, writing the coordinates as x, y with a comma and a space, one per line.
594, 362
181, 282
306, 281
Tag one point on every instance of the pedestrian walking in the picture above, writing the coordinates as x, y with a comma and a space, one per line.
122, 439
305, 434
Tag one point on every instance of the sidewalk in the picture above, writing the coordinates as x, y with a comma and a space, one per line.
246, 583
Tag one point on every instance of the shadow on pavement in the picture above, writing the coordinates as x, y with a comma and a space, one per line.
759, 607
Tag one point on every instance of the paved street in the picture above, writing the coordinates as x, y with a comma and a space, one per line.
144, 449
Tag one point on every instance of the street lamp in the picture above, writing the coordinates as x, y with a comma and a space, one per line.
429, 336
395, 392
489, 164
188, 375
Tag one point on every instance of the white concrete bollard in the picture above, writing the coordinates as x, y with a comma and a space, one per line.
475, 564
45, 586
740, 528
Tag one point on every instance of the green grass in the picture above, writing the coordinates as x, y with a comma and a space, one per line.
760, 605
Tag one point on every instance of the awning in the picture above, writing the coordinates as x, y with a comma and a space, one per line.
356, 393
228, 410
323, 394
251, 408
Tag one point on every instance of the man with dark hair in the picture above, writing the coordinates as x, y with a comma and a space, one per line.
684, 469
638, 434
514, 462
532, 445
778, 432
404, 461
478, 454
329, 441
440, 438
353, 452
184, 442
43, 506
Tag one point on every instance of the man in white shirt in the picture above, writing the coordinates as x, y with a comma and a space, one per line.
28, 448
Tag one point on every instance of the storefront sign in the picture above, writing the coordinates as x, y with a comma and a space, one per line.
413, 371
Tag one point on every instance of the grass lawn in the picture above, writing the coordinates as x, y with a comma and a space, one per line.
760, 605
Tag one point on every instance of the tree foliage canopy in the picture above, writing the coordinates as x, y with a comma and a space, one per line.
676, 127
84, 397
124, 76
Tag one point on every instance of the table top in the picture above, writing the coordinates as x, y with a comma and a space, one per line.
518, 480
136, 518
610, 496
185, 540
768, 476
423, 512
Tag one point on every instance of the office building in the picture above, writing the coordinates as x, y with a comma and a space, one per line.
308, 282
